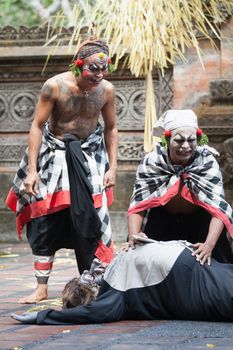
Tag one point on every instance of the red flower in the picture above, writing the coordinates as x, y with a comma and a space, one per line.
79, 63
199, 132
167, 134
109, 61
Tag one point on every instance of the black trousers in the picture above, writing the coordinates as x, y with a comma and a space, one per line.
49, 233
164, 226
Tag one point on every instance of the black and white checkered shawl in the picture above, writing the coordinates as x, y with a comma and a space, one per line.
158, 180
54, 190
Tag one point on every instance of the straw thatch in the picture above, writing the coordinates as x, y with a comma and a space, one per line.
152, 34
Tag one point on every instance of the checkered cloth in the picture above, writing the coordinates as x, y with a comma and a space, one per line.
53, 194
95, 274
158, 180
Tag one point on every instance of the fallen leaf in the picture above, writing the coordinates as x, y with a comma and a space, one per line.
9, 255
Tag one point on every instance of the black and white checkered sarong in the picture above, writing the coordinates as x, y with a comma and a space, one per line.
158, 180
53, 193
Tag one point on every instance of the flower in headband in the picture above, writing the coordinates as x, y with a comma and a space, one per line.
110, 66
76, 67
165, 138
202, 138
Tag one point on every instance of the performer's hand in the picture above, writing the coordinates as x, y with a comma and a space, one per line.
133, 242
31, 183
202, 252
109, 178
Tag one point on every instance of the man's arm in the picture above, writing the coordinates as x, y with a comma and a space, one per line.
42, 113
110, 134
204, 250
134, 228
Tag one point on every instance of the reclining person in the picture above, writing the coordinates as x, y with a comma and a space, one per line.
159, 280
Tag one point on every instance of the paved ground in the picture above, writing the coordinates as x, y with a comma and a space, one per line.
17, 280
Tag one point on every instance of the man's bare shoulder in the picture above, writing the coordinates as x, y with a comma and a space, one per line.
51, 86
109, 89
58, 78
108, 85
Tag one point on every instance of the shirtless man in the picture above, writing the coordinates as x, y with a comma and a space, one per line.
69, 103
178, 193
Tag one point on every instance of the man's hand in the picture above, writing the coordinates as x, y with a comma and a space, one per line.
133, 242
202, 252
27, 317
31, 183
109, 178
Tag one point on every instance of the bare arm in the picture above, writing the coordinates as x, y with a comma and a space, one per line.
111, 135
134, 228
203, 250
42, 113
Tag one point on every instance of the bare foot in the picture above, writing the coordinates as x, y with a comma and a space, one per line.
41, 293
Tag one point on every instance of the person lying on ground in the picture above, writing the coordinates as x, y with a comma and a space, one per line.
157, 280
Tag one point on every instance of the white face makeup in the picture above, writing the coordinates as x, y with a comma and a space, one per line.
183, 143
95, 68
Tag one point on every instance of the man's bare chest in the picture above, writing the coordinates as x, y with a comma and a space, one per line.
79, 106
180, 205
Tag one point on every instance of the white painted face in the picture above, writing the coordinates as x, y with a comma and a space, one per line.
95, 68
183, 143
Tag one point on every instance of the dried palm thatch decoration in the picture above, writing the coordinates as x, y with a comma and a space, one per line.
151, 34
47, 304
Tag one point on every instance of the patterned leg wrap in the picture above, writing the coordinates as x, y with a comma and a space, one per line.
43, 267
105, 249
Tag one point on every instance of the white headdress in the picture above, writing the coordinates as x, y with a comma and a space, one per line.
173, 119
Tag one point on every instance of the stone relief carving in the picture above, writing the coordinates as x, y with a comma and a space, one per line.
11, 150
31, 36
221, 91
130, 100
11, 153
3, 108
22, 106
17, 105
227, 160
131, 148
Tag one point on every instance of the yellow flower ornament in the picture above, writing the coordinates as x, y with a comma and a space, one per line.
101, 55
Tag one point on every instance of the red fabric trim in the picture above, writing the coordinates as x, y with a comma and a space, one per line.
157, 201
104, 253
110, 196
43, 266
212, 210
98, 198
186, 194
53, 203
11, 200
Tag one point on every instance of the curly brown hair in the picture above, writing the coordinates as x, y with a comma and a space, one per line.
75, 293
